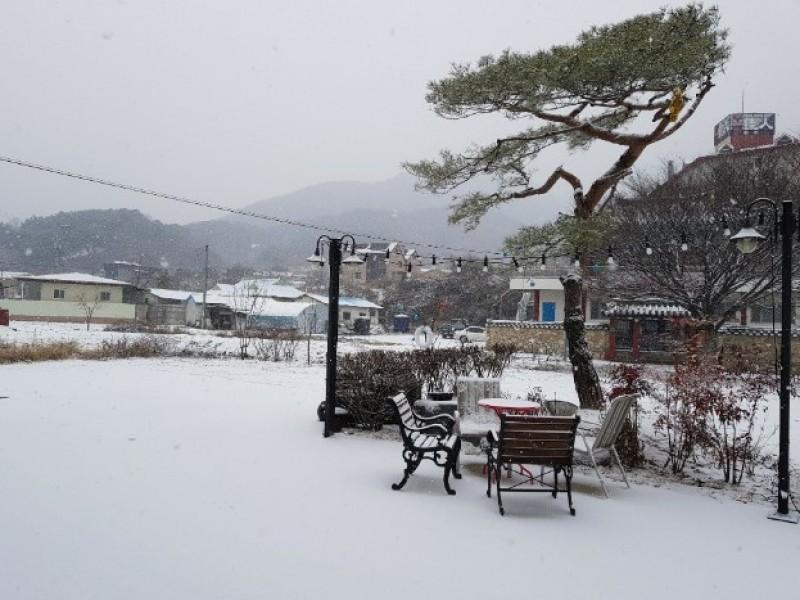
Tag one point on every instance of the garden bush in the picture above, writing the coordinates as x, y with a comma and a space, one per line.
715, 411
365, 380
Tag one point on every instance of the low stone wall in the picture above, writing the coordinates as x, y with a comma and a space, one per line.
544, 338
762, 340
549, 338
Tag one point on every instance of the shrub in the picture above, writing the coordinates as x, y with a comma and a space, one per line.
13, 353
276, 346
365, 380
714, 410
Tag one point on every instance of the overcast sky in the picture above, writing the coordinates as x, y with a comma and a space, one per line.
233, 102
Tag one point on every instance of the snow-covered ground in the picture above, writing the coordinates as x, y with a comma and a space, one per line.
216, 342
208, 479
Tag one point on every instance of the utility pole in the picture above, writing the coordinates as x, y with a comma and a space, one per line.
205, 287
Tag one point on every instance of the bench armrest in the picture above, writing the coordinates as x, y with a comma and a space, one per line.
432, 428
435, 418
445, 420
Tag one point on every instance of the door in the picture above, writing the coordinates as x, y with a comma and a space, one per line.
548, 312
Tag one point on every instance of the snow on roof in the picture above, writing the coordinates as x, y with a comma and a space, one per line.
260, 287
213, 297
347, 301
173, 294
625, 309
124, 262
75, 278
275, 308
13, 274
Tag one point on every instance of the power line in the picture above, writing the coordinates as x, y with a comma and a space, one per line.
235, 211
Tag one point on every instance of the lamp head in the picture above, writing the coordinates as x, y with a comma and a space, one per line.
316, 258
747, 239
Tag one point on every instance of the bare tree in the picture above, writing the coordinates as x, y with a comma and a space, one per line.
88, 307
682, 221
247, 302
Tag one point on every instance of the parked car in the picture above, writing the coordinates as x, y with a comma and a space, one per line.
448, 329
470, 334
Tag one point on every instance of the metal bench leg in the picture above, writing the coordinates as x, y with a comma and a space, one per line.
457, 461
619, 464
412, 462
447, 487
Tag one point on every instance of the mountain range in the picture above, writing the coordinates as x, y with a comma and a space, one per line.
390, 209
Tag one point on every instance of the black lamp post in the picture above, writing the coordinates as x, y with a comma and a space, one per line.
335, 246
747, 240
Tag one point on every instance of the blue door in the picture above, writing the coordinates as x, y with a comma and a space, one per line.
548, 311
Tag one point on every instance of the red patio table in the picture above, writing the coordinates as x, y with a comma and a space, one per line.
508, 406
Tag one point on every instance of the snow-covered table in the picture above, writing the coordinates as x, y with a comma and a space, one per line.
509, 406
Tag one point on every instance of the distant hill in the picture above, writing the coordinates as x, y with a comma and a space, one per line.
391, 209
83, 240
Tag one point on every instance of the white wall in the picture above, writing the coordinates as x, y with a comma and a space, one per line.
64, 309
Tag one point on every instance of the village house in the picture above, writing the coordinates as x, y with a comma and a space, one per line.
69, 296
173, 308
351, 309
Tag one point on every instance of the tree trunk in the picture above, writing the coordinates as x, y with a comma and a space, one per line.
587, 383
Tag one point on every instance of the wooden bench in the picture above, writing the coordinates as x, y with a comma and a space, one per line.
430, 438
548, 442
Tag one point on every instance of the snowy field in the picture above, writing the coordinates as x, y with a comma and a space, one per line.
215, 342
210, 479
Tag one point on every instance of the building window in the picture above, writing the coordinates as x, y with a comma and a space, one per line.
623, 334
654, 335
346, 315
58, 294
762, 313
373, 312
357, 274
105, 296
596, 307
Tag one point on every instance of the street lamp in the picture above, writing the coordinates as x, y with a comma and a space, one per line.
747, 240
334, 261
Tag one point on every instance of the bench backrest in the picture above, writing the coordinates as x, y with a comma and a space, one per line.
404, 411
613, 421
537, 440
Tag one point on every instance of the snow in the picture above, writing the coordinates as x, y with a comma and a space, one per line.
75, 278
210, 479
346, 301
164, 294
275, 308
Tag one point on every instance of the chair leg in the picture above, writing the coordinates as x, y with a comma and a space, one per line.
619, 464
594, 464
489, 472
596, 470
555, 482
568, 477
499, 477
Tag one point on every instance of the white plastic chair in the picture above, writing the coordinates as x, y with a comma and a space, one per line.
599, 448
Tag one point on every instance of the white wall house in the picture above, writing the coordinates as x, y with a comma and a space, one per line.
68, 296
351, 308
543, 300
